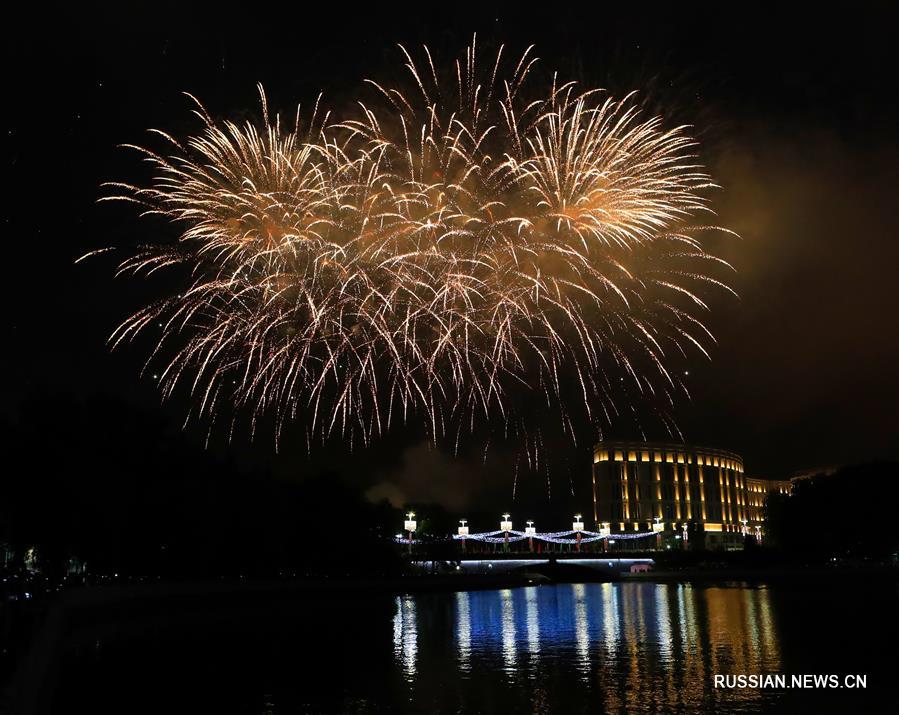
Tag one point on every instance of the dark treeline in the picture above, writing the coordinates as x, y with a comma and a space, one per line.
850, 513
122, 491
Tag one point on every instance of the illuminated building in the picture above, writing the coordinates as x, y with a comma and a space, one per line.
637, 483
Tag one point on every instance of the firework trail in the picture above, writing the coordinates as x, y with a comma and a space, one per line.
434, 254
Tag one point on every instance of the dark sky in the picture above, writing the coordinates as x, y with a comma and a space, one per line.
797, 112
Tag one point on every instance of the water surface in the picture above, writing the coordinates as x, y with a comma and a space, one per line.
578, 648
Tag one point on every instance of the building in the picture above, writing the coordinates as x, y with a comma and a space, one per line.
638, 484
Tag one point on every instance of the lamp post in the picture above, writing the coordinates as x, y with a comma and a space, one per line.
758, 533
577, 527
745, 529
506, 526
530, 531
658, 527
410, 525
686, 534
604, 531
463, 532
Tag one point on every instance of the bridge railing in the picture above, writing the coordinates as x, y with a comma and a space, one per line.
556, 537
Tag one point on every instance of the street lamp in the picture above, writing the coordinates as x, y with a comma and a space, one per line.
658, 528
410, 525
578, 527
463, 531
530, 531
604, 531
506, 526
745, 530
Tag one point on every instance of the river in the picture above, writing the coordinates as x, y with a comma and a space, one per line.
569, 648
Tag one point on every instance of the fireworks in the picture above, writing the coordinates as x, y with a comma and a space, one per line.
431, 255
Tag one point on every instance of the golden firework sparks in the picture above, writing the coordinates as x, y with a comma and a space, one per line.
429, 254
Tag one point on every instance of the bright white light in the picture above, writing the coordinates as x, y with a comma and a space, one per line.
410, 524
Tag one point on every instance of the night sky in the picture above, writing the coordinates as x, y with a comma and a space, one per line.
797, 115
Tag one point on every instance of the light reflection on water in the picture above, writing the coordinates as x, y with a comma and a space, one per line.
624, 647
463, 631
533, 616
405, 635
658, 645
510, 640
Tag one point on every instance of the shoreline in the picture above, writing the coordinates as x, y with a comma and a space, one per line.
96, 593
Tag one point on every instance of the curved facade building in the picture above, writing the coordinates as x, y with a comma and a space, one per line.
637, 483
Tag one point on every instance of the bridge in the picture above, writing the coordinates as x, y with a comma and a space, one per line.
576, 539
606, 566
537, 543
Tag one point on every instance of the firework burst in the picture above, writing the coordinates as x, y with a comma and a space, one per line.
429, 255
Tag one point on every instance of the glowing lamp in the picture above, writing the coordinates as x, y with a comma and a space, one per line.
410, 524
463, 527
506, 523
578, 524
529, 529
